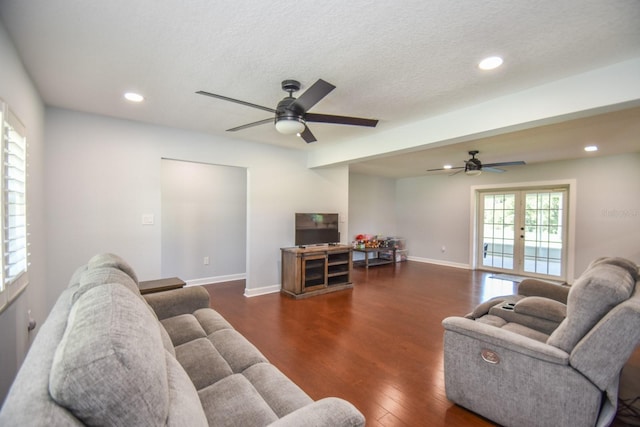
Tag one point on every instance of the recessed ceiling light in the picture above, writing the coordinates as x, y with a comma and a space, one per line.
490, 63
591, 148
447, 167
133, 97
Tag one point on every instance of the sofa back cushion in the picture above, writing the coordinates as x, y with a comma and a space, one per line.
109, 368
606, 283
99, 276
115, 261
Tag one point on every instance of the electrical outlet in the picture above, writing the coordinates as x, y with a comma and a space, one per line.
31, 323
206, 260
443, 249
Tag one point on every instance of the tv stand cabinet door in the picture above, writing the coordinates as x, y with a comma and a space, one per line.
314, 271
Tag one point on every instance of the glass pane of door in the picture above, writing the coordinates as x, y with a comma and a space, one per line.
544, 232
498, 237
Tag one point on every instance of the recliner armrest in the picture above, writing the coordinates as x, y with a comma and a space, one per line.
540, 288
541, 307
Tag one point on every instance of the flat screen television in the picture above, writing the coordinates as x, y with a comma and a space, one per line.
316, 228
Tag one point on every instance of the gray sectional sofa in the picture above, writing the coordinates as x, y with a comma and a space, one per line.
108, 356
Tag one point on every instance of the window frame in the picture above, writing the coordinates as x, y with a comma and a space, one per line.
12, 288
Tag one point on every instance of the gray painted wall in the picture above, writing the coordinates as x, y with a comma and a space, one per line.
103, 174
372, 205
203, 214
434, 211
18, 91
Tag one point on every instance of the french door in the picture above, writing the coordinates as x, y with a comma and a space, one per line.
523, 232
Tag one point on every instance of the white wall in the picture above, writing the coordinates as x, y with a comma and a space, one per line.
434, 211
203, 215
18, 91
372, 205
103, 174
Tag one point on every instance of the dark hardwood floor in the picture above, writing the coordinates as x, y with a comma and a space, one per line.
378, 345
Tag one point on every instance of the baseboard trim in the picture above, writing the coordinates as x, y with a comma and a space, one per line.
216, 279
261, 291
439, 262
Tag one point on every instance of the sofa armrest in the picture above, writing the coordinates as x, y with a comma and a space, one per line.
540, 288
178, 301
506, 339
329, 412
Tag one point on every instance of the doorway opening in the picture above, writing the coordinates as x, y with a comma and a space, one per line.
204, 210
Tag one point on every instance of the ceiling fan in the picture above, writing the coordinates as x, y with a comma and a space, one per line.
291, 116
474, 166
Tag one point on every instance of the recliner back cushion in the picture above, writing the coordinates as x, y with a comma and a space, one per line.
109, 368
603, 286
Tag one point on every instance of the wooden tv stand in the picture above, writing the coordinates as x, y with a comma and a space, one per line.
315, 270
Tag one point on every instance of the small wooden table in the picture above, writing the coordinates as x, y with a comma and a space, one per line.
369, 262
160, 285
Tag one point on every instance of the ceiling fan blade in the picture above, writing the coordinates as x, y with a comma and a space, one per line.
250, 125
312, 96
517, 163
339, 120
492, 169
307, 135
237, 101
443, 169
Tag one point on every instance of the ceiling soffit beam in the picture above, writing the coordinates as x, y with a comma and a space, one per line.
598, 91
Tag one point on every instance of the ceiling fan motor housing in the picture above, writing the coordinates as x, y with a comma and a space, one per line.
285, 111
473, 164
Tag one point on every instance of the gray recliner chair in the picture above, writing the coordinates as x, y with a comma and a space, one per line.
532, 360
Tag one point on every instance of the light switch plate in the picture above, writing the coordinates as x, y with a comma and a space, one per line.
147, 219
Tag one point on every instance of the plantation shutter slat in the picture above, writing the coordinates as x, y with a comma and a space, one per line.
14, 177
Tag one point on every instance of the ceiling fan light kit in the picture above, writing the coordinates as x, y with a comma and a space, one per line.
291, 116
290, 126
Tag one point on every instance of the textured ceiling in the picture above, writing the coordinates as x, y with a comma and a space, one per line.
394, 61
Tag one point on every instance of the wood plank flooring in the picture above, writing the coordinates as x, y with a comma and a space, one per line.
378, 345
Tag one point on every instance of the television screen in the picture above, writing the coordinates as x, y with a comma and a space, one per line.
316, 228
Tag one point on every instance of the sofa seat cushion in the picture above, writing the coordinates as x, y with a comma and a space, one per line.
209, 358
258, 396
183, 328
202, 362
281, 394
109, 368
236, 383
234, 401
